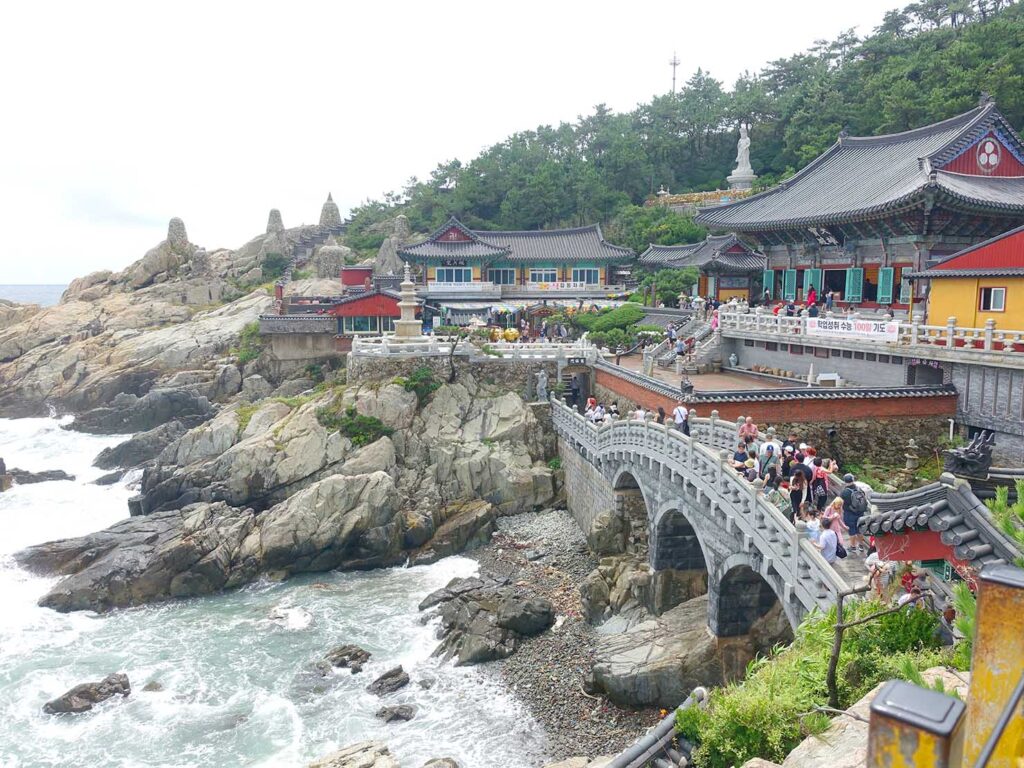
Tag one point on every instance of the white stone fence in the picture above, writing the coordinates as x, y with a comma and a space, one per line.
913, 339
808, 578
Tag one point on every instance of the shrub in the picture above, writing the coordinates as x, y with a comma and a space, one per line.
1010, 517
274, 265
245, 412
487, 349
315, 371
421, 381
621, 318
360, 429
760, 717
249, 344
555, 464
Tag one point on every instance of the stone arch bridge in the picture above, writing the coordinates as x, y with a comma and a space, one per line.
700, 514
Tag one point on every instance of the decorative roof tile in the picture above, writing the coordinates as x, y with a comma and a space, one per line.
580, 244
711, 254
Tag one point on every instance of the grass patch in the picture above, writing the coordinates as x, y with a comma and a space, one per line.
421, 381
360, 429
249, 344
555, 464
760, 717
245, 412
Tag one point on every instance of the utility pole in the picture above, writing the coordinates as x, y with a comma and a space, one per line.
674, 63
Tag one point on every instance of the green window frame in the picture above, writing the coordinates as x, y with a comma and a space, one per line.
789, 285
768, 283
885, 282
587, 275
812, 277
453, 275
854, 292
544, 275
502, 276
906, 288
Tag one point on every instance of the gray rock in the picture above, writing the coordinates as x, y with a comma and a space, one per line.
84, 697
330, 216
111, 478
340, 522
294, 387
129, 413
24, 477
527, 616
466, 524
141, 448
153, 686
348, 657
274, 222
255, 388
226, 382
400, 713
391, 681
441, 762
365, 754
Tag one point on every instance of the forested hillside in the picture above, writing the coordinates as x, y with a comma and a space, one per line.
924, 63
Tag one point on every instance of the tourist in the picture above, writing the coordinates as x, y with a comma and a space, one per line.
828, 542
574, 390
591, 402
770, 466
748, 428
855, 506
660, 418
614, 410
739, 458
879, 570
681, 418
770, 442
834, 514
750, 469
792, 441
813, 311
680, 347
640, 414
714, 320
812, 297
810, 517
589, 413
913, 596
798, 492
810, 454
671, 333
819, 483
786, 465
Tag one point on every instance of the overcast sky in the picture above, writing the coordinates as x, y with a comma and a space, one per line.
118, 116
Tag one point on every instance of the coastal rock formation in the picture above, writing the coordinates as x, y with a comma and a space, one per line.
12, 313
365, 754
464, 524
400, 713
348, 656
167, 257
129, 413
24, 477
388, 261
84, 697
484, 620
141, 448
392, 680
341, 522
275, 224
661, 660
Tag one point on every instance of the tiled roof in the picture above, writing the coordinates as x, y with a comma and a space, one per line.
1001, 272
1002, 255
951, 508
367, 294
821, 393
865, 177
710, 254
546, 245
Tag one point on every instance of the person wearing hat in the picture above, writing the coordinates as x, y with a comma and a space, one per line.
855, 506
750, 470
770, 466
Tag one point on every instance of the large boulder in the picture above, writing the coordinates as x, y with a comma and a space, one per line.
128, 413
141, 448
167, 257
485, 620
465, 524
365, 754
24, 477
391, 681
340, 522
84, 697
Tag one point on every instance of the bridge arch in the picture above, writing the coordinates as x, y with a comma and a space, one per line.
745, 593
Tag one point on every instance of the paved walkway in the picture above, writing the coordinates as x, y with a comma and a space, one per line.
703, 382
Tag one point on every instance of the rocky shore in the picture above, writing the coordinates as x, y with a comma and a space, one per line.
545, 554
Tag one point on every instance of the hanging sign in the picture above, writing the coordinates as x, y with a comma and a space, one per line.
841, 328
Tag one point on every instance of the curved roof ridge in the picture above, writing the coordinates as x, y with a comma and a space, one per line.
965, 118
562, 231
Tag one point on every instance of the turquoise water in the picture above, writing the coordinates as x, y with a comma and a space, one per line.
47, 295
234, 692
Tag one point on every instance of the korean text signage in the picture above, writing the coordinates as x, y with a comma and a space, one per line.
839, 328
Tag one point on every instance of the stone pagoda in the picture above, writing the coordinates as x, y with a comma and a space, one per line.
408, 327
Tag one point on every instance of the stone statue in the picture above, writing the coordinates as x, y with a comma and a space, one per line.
542, 385
743, 176
973, 460
743, 152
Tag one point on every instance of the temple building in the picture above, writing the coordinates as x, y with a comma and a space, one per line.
871, 211
728, 267
981, 283
460, 263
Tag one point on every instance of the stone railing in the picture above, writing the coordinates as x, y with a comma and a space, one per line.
808, 579
273, 324
442, 345
942, 342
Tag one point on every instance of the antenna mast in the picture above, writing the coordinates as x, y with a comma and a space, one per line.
674, 63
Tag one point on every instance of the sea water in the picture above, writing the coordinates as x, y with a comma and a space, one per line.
45, 295
234, 669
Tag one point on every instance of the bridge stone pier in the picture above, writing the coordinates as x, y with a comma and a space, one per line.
698, 516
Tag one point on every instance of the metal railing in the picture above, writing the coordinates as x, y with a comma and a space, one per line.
703, 460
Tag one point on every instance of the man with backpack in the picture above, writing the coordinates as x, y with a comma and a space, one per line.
855, 506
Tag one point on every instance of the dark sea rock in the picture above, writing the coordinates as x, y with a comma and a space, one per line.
484, 619
141, 448
348, 657
129, 413
111, 478
400, 713
24, 477
391, 681
84, 697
